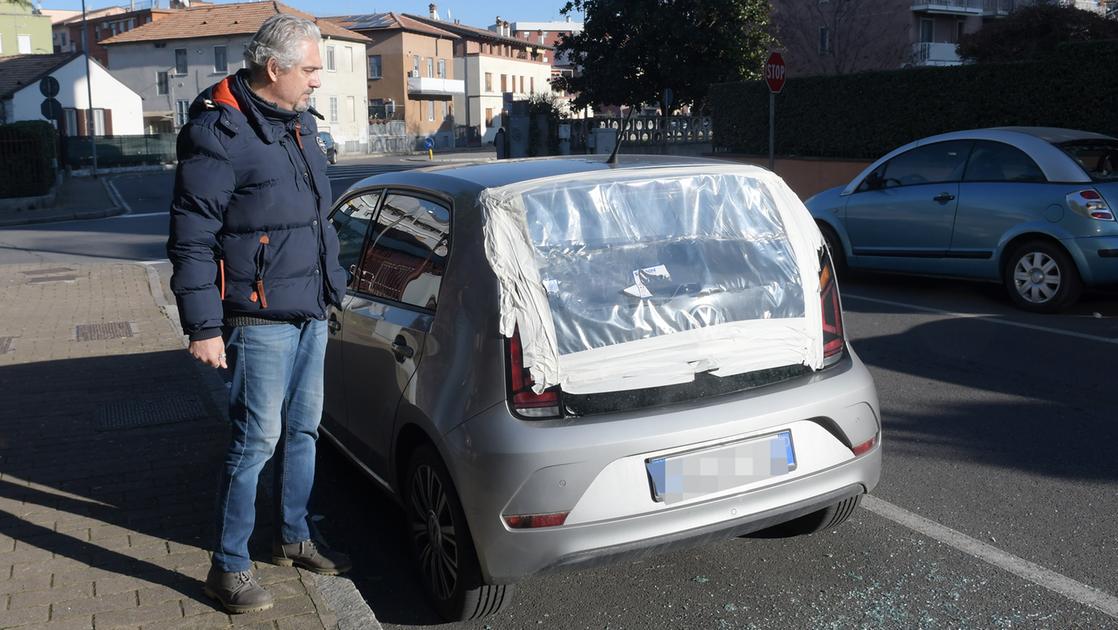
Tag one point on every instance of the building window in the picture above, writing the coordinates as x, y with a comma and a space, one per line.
71, 117
959, 30
24, 44
333, 109
532, 84
313, 102
415, 65
488, 81
430, 111
330, 65
504, 84
442, 68
927, 30
442, 109
221, 65
182, 112
488, 116
352, 108
348, 58
522, 84
430, 67
162, 83
374, 67
180, 61
824, 40
98, 122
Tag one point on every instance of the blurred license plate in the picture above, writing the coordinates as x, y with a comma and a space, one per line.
697, 473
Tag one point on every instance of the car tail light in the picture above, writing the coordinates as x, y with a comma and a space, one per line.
531, 521
864, 447
834, 341
1090, 203
525, 402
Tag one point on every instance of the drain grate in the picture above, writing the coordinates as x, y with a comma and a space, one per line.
130, 414
44, 272
52, 279
5, 344
106, 330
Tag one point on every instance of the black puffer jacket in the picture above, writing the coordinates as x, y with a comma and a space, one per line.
249, 234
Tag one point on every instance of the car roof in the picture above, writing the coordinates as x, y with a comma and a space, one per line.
497, 173
1037, 142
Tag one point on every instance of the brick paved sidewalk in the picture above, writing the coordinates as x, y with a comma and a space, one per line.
109, 447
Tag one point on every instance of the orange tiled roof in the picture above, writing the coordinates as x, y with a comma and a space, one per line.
388, 22
220, 20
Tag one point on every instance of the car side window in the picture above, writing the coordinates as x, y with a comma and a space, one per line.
932, 164
405, 257
875, 180
351, 221
999, 162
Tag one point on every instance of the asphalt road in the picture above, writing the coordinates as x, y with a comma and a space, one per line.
999, 431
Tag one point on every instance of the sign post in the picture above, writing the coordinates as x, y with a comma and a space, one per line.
774, 76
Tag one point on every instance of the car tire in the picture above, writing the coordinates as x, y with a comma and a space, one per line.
1041, 277
838, 256
813, 522
441, 545
334, 157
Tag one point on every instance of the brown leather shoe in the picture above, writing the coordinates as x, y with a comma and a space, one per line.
307, 555
237, 592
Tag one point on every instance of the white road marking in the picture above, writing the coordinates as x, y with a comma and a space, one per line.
984, 317
137, 216
1047, 578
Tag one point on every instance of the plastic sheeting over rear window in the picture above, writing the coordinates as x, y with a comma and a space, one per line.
638, 278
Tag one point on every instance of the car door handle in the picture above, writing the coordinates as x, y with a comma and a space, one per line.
333, 324
401, 349
944, 197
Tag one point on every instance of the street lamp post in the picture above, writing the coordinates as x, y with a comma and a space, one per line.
88, 91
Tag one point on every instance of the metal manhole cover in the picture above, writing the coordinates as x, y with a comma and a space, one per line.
130, 414
52, 279
5, 344
43, 272
106, 330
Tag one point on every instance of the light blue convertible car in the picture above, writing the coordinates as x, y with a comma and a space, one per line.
1030, 207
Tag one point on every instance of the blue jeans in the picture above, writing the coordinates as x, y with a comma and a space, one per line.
275, 400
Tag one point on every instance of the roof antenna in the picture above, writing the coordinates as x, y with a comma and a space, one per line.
620, 136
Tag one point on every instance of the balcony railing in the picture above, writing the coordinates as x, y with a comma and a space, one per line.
433, 86
935, 54
952, 7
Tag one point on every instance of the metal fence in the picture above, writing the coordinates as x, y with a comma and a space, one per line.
26, 168
115, 151
390, 137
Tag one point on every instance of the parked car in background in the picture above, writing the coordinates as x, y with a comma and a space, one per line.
552, 363
329, 148
1030, 207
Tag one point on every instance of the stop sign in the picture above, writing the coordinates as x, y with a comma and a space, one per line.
774, 72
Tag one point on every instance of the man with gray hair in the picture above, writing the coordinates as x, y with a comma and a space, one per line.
255, 270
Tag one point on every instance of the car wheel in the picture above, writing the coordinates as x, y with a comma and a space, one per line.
441, 544
334, 157
817, 521
838, 256
1041, 277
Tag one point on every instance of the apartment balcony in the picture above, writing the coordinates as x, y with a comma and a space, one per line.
949, 7
935, 54
430, 86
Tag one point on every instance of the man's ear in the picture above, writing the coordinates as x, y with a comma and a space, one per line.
273, 69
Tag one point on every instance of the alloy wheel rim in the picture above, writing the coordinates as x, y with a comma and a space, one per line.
1036, 276
433, 532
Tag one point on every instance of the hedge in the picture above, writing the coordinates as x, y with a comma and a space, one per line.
868, 114
27, 152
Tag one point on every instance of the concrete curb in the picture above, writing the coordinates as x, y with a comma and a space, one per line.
66, 216
120, 170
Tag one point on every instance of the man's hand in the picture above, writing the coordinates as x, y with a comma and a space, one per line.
209, 351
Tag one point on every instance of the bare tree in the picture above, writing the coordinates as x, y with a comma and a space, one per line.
843, 36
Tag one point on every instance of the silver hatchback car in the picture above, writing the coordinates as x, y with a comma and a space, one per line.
552, 363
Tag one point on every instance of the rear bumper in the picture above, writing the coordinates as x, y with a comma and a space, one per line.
594, 469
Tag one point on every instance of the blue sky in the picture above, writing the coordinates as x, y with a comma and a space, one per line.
468, 11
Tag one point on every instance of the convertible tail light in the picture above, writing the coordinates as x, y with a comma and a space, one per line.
1090, 203
864, 447
525, 402
834, 341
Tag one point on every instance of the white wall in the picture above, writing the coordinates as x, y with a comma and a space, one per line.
108, 93
473, 69
138, 65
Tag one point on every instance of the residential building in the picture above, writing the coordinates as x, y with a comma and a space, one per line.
71, 33
24, 30
550, 34
844, 36
117, 110
494, 66
411, 75
169, 61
